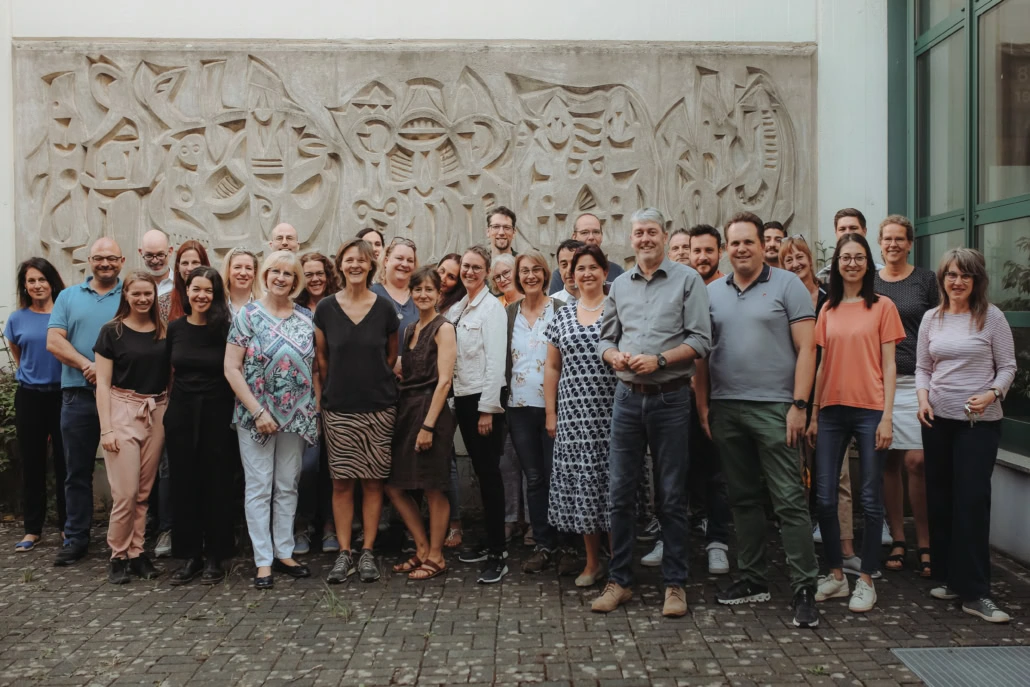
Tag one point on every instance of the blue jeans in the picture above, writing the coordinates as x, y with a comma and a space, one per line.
837, 424
662, 422
80, 432
535, 449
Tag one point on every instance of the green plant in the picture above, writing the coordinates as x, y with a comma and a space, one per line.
8, 385
823, 255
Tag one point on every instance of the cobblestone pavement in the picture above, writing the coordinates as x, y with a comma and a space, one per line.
67, 626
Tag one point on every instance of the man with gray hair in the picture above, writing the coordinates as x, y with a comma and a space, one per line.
655, 324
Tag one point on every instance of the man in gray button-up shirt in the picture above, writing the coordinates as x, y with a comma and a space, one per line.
655, 324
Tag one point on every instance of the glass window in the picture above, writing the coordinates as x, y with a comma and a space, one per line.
1006, 248
1017, 404
929, 249
940, 127
930, 12
1004, 104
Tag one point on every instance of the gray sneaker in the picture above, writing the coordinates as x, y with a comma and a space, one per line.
342, 568
368, 570
853, 566
986, 609
301, 543
163, 549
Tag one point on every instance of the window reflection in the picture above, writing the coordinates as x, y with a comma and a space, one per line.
940, 127
1006, 248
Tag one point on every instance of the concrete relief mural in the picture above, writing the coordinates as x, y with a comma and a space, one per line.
221, 147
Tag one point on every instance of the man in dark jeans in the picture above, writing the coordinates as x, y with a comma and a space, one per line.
655, 324
79, 313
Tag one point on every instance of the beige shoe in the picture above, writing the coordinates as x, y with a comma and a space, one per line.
611, 598
675, 602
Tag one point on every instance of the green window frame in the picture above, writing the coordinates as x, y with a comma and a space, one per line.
905, 48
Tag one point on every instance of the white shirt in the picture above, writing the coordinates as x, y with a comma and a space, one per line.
481, 328
528, 357
165, 285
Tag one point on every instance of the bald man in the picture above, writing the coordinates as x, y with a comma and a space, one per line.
284, 237
587, 228
157, 252
79, 313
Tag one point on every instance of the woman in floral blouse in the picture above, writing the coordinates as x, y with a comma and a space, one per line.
269, 362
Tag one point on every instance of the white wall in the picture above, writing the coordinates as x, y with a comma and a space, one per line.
851, 38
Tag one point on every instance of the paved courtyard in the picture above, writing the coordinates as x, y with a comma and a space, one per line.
67, 626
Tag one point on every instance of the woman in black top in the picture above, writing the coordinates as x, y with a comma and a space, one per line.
356, 340
132, 382
199, 438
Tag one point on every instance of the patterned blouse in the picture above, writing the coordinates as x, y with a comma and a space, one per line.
278, 367
528, 356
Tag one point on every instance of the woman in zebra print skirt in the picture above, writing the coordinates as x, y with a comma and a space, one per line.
356, 338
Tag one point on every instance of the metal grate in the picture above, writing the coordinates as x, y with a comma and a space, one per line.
969, 666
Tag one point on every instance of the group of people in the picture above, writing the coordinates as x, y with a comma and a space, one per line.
331, 382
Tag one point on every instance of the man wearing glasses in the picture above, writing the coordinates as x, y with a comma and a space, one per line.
79, 313
284, 237
157, 256
587, 228
500, 231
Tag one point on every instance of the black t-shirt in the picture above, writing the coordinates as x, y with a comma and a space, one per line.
358, 380
140, 362
913, 296
197, 353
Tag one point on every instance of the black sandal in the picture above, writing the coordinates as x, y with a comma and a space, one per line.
898, 558
924, 566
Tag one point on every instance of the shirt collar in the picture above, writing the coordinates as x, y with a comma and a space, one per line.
483, 293
662, 269
88, 285
763, 277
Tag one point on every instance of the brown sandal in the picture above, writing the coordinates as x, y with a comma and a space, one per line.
427, 571
413, 563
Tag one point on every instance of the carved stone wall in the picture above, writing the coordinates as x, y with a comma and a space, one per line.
220, 142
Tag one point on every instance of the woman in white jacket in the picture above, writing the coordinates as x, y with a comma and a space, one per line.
480, 323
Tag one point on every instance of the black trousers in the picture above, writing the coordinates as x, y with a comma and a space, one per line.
959, 461
485, 453
37, 419
201, 454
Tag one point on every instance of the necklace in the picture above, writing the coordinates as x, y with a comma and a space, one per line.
593, 309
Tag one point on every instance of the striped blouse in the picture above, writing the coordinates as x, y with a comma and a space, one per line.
954, 361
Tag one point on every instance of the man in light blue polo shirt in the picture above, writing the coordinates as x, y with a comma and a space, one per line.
79, 313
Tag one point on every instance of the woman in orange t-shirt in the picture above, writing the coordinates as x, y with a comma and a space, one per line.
854, 397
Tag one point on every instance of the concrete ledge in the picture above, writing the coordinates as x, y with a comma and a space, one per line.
1010, 506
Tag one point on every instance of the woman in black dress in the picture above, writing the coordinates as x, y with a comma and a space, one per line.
424, 432
198, 436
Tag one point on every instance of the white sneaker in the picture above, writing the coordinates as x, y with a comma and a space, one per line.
718, 561
943, 593
863, 598
817, 535
885, 535
163, 548
654, 559
832, 588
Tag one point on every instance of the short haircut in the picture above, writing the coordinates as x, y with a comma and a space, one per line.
773, 224
481, 252
426, 273
49, 272
503, 259
747, 218
500, 210
284, 257
536, 257
849, 212
571, 245
648, 215
366, 251
705, 230
593, 251
677, 232
900, 220
587, 214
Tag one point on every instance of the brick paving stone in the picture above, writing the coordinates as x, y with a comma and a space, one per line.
67, 626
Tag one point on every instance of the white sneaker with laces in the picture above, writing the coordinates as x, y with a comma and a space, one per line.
885, 535
943, 593
831, 588
718, 561
817, 535
863, 598
654, 559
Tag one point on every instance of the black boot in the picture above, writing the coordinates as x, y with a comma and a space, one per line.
213, 573
143, 568
118, 572
188, 572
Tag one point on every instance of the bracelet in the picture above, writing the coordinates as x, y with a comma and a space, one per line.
110, 431
259, 413
428, 428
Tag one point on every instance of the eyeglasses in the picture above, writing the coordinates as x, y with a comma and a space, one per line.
894, 239
150, 257
314, 275
502, 276
105, 258
852, 259
956, 276
474, 269
527, 271
588, 232
798, 237
501, 227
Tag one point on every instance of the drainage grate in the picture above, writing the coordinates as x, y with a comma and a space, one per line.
969, 666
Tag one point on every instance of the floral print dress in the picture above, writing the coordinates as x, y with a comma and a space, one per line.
278, 366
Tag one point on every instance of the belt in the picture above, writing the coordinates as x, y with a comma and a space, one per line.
651, 389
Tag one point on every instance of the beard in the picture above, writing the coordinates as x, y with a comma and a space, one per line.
157, 274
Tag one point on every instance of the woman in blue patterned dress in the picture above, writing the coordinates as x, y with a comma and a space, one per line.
269, 362
579, 392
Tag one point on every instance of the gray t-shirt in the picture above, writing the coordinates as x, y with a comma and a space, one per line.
753, 356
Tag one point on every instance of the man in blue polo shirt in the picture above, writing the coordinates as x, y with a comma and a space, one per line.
79, 313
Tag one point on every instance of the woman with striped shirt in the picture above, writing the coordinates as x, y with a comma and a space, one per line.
965, 363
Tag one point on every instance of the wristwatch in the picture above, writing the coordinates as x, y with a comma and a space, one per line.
661, 362
800, 404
